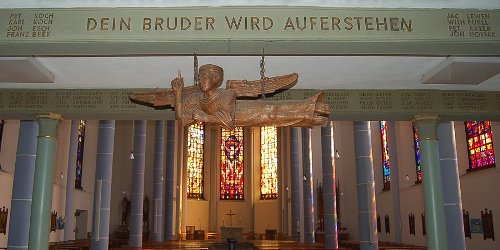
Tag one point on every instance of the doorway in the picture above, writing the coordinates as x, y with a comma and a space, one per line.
81, 224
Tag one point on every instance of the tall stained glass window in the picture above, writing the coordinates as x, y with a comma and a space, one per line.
385, 155
231, 171
196, 134
2, 122
480, 144
416, 145
268, 163
79, 154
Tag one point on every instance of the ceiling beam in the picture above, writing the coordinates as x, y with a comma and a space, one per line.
346, 104
249, 31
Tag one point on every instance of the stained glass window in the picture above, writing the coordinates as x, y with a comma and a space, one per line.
79, 154
269, 163
416, 145
2, 122
385, 155
195, 141
480, 144
231, 171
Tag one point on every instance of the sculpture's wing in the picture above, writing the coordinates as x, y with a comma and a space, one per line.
256, 87
159, 97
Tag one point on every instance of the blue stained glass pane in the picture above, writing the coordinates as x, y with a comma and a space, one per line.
385, 155
417, 154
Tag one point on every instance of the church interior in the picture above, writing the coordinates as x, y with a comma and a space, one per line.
96, 170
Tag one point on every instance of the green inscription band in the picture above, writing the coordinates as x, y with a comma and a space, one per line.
247, 30
114, 104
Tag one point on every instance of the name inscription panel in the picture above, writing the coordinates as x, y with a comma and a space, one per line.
345, 104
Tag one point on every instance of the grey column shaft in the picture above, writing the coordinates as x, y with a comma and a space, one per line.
157, 181
137, 195
22, 190
69, 217
169, 181
329, 201
102, 188
451, 186
396, 200
309, 224
295, 185
368, 236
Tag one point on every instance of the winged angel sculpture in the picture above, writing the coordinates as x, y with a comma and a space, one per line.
206, 102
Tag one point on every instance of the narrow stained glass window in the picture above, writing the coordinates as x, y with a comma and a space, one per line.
231, 171
416, 145
385, 155
269, 163
2, 122
195, 141
480, 144
79, 154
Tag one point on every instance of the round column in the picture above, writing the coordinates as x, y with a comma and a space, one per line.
295, 182
157, 181
330, 204
22, 190
137, 194
42, 187
309, 225
431, 174
102, 187
451, 186
368, 236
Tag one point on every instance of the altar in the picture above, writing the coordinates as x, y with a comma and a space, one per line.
231, 233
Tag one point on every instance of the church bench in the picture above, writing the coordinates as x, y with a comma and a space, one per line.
212, 235
83, 244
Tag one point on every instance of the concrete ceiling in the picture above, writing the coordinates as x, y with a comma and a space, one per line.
323, 72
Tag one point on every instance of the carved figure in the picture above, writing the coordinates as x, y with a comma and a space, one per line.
206, 102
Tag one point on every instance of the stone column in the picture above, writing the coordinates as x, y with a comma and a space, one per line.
157, 181
137, 194
329, 201
309, 224
169, 181
69, 217
451, 186
396, 201
295, 185
22, 190
102, 187
431, 174
368, 236
42, 187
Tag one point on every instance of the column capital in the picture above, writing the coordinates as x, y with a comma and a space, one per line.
50, 115
426, 117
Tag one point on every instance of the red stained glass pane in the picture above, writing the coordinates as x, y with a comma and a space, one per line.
480, 144
231, 172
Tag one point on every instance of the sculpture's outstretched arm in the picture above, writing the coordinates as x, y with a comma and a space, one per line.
256, 87
160, 98
156, 98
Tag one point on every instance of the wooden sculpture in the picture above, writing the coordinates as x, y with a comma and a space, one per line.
206, 102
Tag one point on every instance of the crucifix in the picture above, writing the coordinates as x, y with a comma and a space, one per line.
230, 217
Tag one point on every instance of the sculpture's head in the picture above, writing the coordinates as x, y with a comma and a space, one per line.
210, 77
